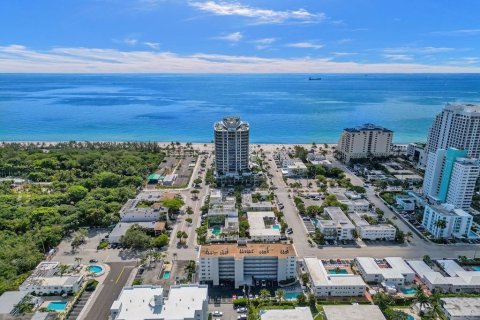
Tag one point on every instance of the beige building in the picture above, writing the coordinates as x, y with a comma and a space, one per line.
368, 140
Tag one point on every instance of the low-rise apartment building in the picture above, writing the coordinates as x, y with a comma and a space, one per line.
457, 222
326, 284
461, 308
458, 281
263, 226
357, 205
247, 264
44, 280
390, 272
339, 227
369, 231
146, 302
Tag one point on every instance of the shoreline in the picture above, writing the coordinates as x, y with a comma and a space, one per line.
194, 144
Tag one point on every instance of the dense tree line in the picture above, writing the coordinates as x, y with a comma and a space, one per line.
69, 185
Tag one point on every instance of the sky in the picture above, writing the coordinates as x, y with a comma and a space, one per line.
244, 36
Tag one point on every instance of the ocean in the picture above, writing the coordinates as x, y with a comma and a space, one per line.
281, 108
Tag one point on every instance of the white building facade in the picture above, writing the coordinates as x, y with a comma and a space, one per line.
325, 284
339, 227
457, 126
457, 221
231, 146
248, 264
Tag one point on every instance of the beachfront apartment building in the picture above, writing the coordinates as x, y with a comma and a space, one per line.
450, 177
390, 272
365, 141
330, 284
298, 313
147, 302
353, 312
231, 137
246, 264
294, 168
458, 279
457, 222
339, 227
456, 126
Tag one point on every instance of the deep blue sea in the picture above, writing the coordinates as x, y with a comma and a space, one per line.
281, 108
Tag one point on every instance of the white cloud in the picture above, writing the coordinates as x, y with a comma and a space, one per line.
465, 61
259, 15
264, 43
398, 57
460, 32
418, 50
232, 37
306, 44
153, 45
343, 41
127, 40
343, 54
18, 58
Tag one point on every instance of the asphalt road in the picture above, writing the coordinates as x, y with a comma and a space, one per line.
416, 248
111, 288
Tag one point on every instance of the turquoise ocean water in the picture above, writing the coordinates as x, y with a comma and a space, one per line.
281, 108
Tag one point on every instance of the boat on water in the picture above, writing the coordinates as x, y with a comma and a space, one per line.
313, 78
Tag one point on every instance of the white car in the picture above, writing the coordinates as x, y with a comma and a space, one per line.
217, 313
242, 310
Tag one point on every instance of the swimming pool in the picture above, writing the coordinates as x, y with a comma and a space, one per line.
57, 305
96, 269
338, 271
166, 275
216, 231
410, 317
276, 227
476, 268
291, 295
472, 235
409, 290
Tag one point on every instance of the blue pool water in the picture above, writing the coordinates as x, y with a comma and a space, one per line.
166, 275
291, 295
276, 227
409, 290
57, 305
51, 107
476, 268
472, 235
410, 317
341, 271
95, 269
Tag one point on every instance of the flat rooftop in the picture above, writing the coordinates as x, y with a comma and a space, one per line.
248, 250
299, 313
353, 312
462, 307
256, 220
321, 277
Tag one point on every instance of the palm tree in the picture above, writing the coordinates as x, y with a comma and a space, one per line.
264, 295
421, 298
435, 305
279, 294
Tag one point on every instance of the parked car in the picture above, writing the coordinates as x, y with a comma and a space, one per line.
242, 310
217, 313
93, 260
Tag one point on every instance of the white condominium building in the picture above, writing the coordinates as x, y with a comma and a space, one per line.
390, 272
372, 232
339, 227
457, 222
328, 284
146, 302
457, 126
451, 178
459, 281
231, 146
364, 141
246, 264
